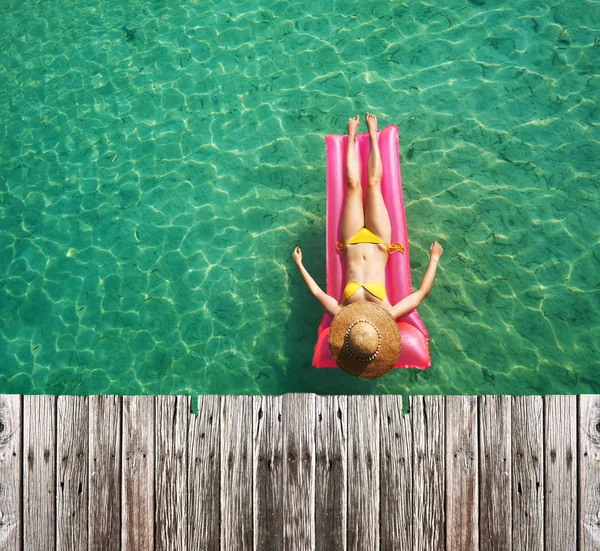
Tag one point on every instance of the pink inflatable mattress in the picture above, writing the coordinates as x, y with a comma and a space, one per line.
414, 351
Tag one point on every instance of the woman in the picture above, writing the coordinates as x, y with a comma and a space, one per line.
364, 235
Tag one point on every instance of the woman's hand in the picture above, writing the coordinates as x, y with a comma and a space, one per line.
435, 251
297, 256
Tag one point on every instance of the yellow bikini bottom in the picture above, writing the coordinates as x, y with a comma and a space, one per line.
376, 289
367, 236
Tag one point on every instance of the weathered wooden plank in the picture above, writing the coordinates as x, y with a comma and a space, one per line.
396, 469
298, 414
560, 473
331, 463
72, 466
172, 415
363, 473
429, 479
589, 472
104, 472
511, 438
236, 473
204, 473
268, 472
495, 467
11, 525
528, 473
137, 529
39, 472
462, 465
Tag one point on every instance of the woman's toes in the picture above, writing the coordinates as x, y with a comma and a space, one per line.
371, 121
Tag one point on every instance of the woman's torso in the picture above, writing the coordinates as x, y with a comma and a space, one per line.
365, 262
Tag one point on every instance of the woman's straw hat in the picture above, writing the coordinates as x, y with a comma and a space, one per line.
364, 340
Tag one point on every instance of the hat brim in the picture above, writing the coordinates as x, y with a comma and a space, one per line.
390, 340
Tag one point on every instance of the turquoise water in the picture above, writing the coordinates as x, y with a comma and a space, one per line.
160, 161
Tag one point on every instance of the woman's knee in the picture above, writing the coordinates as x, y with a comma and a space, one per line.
373, 182
353, 183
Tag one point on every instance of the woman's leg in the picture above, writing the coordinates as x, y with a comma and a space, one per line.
353, 217
377, 218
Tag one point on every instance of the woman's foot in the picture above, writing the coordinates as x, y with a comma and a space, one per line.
371, 121
353, 125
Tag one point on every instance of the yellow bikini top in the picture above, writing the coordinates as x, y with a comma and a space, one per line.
376, 289
367, 236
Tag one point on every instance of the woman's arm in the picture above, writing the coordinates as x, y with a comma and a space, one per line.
330, 305
413, 300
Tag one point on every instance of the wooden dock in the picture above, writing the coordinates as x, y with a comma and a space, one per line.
300, 472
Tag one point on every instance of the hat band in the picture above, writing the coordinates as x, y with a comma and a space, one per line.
347, 345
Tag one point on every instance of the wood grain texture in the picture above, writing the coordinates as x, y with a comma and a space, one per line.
11, 458
560, 473
462, 466
495, 473
396, 470
363, 472
268, 472
137, 511
429, 442
300, 471
172, 415
236, 473
39, 472
204, 474
589, 472
298, 414
72, 483
331, 464
528, 473
104, 516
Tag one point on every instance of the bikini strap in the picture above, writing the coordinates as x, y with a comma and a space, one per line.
395, 248
391, 249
